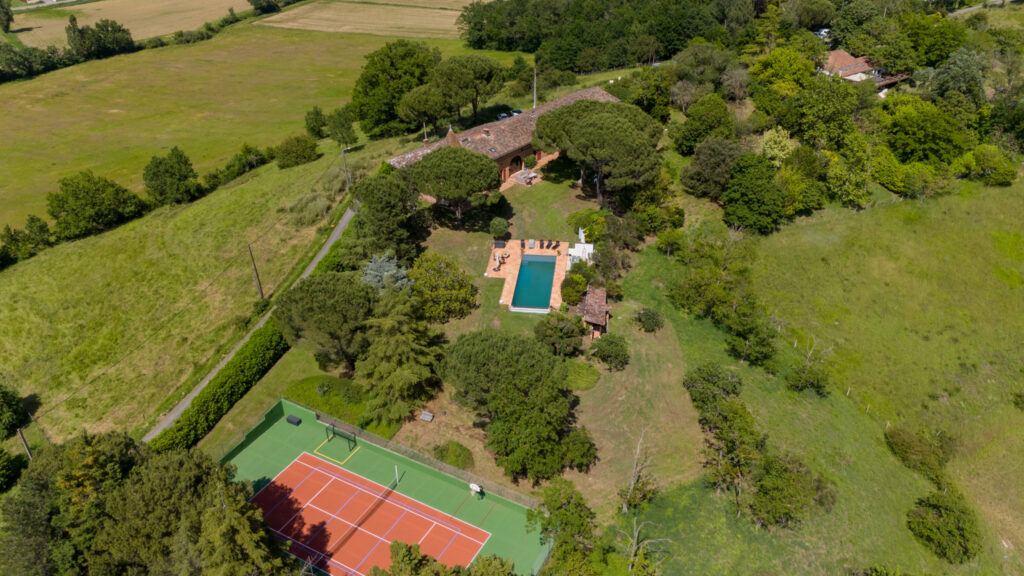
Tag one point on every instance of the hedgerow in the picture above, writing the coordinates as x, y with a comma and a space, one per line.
252, 362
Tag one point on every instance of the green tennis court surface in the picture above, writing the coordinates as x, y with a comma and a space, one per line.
275, 443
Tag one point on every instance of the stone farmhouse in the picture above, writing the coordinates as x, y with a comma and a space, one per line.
509, 141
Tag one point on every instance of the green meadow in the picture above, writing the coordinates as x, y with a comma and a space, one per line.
248, 84
918, 307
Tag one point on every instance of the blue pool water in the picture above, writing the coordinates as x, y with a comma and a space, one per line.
533, 286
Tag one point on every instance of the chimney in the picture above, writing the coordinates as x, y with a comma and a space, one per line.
487, 132
426, 142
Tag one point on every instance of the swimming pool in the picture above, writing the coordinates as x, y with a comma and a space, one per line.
533, 285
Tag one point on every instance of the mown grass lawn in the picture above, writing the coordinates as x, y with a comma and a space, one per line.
920, 303
249, 84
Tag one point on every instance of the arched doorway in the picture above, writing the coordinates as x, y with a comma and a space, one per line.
515, 165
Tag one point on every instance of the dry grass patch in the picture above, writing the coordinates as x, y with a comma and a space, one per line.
647, 394
145, 18
380, 19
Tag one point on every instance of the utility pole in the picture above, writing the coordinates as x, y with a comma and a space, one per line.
535, 85
255, 273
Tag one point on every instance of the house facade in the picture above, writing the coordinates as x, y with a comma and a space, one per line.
509, 141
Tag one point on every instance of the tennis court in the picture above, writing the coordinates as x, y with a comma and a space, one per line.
335, 499
343, 523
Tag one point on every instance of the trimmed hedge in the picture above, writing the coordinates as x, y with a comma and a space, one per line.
251, 363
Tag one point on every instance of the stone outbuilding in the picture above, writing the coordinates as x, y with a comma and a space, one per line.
595, 311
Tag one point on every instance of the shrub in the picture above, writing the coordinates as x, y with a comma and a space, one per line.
784, 492
649, 319
88, 204
988, 164
499, 227
1018, 400
923, 451
709, 383
944, 523
581, 376
295, 151
573, 288
10, 469
580, 450
248, 158
171, 179
315, 123
253, 360
811, 375
454, 454
530, 161
12, 412
561, 333
611, 349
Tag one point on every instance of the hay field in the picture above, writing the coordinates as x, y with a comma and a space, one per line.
369, 18
249, 84
145, 18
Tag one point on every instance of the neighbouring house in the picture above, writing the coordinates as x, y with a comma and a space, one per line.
509, 141
595, 311
841, 63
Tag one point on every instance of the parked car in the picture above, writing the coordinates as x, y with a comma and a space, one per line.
517, 112
502, 116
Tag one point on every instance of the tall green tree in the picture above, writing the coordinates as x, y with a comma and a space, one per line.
426, 105
388, 222
442, 287
784, 71
564, 518
562, 333
6, 16
468, 80
822, 113
104, 39
707, 174
88, 204
455, 175
707, 117
315, 122
389, 74
171, 179
329, 311
920, 131
752, 199
615, 142
400, 361
12, 411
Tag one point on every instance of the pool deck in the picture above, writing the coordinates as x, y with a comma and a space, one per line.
510, 269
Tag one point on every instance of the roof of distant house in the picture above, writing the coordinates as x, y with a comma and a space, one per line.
594, 307
844, 64
496, 139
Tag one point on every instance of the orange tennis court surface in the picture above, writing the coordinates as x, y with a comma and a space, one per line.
343, 523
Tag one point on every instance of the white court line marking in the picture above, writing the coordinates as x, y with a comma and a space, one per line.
329, 558
427, 532
411, 509
329, 480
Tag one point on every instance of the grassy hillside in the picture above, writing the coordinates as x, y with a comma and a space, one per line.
249, 84
920, 303
834, 436
121, 319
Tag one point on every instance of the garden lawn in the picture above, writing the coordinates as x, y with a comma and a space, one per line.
249, 84
106, 331
834, 436
920, 303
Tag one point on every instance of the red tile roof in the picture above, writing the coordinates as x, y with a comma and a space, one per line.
594, 307
842, 63
497, 139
